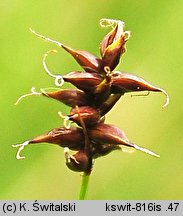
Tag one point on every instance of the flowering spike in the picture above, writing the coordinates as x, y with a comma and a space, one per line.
97, 90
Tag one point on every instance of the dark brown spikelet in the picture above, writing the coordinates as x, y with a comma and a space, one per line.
112, 135
84, 81
87, 60
72, 138
70, 97
88, 114
125, 82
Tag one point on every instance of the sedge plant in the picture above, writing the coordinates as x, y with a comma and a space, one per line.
97, 89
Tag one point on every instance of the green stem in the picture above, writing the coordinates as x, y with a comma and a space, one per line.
84, 186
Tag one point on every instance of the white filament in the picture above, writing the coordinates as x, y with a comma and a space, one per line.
46, 38
167, 98
33, 92
58, 78
21, 147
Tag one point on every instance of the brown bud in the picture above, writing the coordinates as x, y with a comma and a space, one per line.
79, 162
113, 45
72, 138
108, 40
87, 60
83, 80
111, 36
125, 82
108, 134
70, 97
113, 53
89, 115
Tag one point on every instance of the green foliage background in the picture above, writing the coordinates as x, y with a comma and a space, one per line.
154, 52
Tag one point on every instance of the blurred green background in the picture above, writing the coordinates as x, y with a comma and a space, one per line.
154, 52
